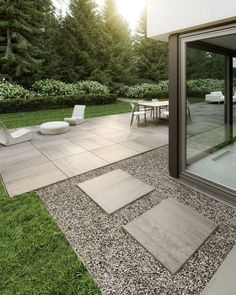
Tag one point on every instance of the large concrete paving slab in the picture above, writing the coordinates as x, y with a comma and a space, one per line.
114, 153
78, 164
57, 151
93, 142
171, 232
223, 282
114, 190
31, 178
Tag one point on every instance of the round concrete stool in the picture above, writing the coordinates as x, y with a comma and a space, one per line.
52, 128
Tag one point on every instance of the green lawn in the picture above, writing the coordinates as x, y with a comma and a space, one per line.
15, 120
196, 99
35, 257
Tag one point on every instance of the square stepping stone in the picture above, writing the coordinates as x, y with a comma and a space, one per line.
223, 281
114, 190
171, 232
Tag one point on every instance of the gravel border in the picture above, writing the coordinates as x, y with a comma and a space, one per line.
119, 264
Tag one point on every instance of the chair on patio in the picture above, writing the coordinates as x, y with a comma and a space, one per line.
18, 136
234, 97
188, 110
147, 109
136, 112
77, 115
164, 112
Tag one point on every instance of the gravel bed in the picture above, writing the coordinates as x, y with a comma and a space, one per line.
118, 263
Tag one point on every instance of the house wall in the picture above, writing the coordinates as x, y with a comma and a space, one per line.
166, 17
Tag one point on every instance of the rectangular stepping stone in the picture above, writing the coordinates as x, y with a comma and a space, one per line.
114, 190
223, 282
171, 232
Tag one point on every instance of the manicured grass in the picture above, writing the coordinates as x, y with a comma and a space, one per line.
35, 257
196, 99
14, 120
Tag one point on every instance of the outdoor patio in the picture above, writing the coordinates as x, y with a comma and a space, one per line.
98, 142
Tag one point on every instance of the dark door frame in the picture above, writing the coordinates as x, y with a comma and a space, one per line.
175, 153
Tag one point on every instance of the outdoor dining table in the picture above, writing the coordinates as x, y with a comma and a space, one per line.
155, 105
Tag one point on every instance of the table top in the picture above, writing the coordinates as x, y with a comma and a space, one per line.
154, 104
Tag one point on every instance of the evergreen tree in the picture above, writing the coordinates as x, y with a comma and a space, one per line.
19, 54
202, 64
150, 56
49, 42
81, 41
119, 45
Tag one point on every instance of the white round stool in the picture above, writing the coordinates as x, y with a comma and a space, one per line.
52, 128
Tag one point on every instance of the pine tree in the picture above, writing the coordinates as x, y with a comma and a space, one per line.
202, 64
119, 45
150, 56
19, 55
49, 42
81, 41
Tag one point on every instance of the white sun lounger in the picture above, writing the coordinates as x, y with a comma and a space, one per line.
18, 136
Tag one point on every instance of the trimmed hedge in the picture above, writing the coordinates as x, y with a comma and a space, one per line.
55, 102
160, 94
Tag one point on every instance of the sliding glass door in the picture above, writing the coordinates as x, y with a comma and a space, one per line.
208, 116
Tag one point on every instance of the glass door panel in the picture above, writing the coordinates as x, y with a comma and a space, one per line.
210, 148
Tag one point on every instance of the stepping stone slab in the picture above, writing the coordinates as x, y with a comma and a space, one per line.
223, 282
171, 232
115, 190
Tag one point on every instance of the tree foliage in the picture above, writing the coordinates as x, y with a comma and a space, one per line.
86, 44
118, 66
204, 65
150, 56
19, 27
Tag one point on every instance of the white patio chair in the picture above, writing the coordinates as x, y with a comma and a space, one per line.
216, 96
77, 115
147, 109
165, 113
18, 136
136, 113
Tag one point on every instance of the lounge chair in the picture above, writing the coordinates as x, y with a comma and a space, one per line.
77, 115
18, 136
136, 113
216, 96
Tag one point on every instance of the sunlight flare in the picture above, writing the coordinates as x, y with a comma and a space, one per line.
131, 10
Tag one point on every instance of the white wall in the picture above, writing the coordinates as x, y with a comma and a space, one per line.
170, 16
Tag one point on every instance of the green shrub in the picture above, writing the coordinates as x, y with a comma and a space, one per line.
195, 88
13, 91
91, 87
50, 87
119, 89
200, 87
160, 94
148, 90
53, 102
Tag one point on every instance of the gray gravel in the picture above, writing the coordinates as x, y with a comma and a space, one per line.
118, 263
